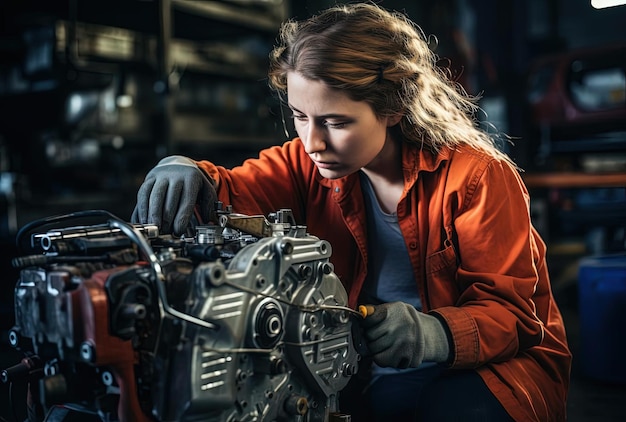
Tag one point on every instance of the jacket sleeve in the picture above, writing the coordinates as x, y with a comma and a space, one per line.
495, 316
279, 178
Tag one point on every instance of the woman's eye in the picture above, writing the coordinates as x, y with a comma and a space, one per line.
298, 117
325, 123
335, 125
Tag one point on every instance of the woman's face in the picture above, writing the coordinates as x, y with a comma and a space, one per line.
340, 135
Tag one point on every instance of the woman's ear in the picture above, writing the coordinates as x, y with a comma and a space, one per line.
393, 120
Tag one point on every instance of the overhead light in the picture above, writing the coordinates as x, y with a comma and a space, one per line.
603, 4
124, 101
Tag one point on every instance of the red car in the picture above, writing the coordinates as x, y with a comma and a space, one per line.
578, 89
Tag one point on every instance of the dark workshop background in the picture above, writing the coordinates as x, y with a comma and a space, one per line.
93, 93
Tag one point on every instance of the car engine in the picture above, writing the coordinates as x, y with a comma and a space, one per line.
240, 320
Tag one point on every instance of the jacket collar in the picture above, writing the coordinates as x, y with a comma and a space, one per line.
416, 159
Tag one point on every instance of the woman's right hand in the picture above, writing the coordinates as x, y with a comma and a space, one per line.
169, 194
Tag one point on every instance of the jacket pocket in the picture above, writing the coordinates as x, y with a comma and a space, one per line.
441, 283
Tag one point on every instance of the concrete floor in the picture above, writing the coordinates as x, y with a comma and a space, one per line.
589, 400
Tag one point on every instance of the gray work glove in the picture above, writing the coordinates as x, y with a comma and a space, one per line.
170, 193
399, 336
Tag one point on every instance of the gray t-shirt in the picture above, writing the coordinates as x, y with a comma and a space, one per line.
390, 275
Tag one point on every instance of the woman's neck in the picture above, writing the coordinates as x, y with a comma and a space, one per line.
386, 175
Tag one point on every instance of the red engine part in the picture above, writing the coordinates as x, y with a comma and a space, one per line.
92, 314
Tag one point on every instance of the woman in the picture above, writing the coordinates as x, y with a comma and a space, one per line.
429, 222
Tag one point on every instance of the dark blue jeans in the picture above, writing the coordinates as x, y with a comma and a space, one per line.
430, 394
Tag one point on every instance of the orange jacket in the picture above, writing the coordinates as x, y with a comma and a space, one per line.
478, 261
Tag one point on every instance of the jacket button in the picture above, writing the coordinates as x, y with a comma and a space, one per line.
337, 189
413, 245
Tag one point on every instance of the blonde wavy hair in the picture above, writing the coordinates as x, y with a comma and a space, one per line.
383, 58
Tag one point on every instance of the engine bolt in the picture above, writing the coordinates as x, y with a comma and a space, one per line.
348, 370
14, 338
278, 366
327, 268
107, 378
286, 248
50, 369
296, 405
87, 352
304, 271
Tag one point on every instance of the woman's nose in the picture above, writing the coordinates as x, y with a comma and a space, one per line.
314, 140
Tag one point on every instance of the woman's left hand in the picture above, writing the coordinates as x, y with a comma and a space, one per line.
400, 336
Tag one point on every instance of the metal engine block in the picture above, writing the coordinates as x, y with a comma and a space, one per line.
243, 321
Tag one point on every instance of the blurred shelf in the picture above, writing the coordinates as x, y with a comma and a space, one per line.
100, 43
574, 180
232, 12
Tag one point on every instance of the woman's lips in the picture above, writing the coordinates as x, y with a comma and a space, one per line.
325, 165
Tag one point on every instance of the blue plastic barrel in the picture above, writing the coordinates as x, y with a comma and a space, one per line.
602, 310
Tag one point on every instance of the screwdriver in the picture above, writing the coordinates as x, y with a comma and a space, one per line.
366, 310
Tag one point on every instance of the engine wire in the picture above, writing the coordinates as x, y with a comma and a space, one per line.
142, 243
